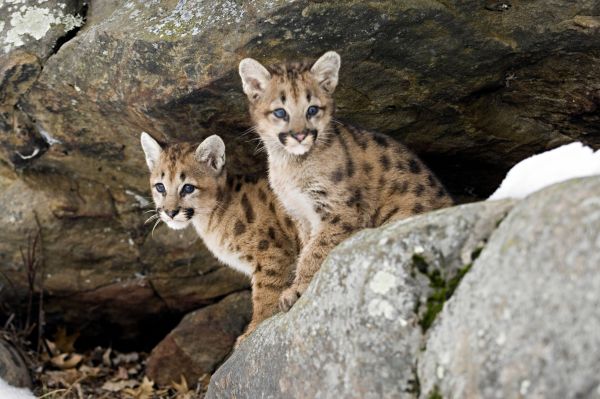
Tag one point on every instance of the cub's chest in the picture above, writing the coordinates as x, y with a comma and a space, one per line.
221, 250
294, 198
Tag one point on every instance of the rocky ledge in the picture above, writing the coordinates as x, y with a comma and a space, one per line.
391, 316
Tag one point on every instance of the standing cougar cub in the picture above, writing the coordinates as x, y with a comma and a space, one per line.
332, 178
238, 218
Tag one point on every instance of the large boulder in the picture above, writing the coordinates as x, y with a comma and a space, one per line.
524, 322
382, 318
201, 341
357, 331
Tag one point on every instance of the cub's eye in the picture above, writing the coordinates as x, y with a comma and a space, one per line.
312, 110
280, 113
160, 187
187, 189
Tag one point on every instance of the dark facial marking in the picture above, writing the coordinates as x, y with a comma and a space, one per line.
162, 175
272, 207
263, 245
238, 187
400, 166
282, 96
414, 167
367, 167
189, 213
308, 95
335, 219
271, 233
182, 176
239, 228
282, 137
418, 208
288, 222
258, 268
248, 209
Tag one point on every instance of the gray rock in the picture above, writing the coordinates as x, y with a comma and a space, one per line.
356, 332
13, 369
525, 322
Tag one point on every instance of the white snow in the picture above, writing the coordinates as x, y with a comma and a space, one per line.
10, 392
550, 167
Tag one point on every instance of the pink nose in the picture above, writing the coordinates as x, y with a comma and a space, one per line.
299, 136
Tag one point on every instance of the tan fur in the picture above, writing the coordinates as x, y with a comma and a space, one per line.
238, 217
345, 179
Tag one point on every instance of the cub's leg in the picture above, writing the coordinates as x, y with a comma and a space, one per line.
267, 285
312, 255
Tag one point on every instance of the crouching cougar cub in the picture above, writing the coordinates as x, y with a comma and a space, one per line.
332, 178
238, 217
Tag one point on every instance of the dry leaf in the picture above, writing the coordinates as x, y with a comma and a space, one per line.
144, 391
183, 391
126, 358
182, 387
64, 378
65, 343
66, 360
106, 357
117, 386
122, 373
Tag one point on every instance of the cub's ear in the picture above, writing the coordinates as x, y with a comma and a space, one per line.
152, 149
255, 78
212, 153
326, 69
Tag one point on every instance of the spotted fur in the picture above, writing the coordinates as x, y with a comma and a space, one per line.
333, 179
238, 217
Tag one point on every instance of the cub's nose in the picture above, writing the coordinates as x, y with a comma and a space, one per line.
300, 136
172, 213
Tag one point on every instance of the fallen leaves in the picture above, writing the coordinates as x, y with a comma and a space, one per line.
102, 373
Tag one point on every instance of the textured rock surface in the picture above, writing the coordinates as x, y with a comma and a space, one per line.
471, 88
356, 332
13, 369
524, 322
201, 341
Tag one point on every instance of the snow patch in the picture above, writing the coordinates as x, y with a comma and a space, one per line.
9, 392
534, 173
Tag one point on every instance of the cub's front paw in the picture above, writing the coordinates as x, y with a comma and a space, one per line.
289, 297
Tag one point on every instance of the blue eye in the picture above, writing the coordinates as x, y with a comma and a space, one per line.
188, 189
280, 113
160, 187
312, 110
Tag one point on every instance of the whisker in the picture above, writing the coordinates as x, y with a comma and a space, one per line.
155, 224
151, 218
151, 210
